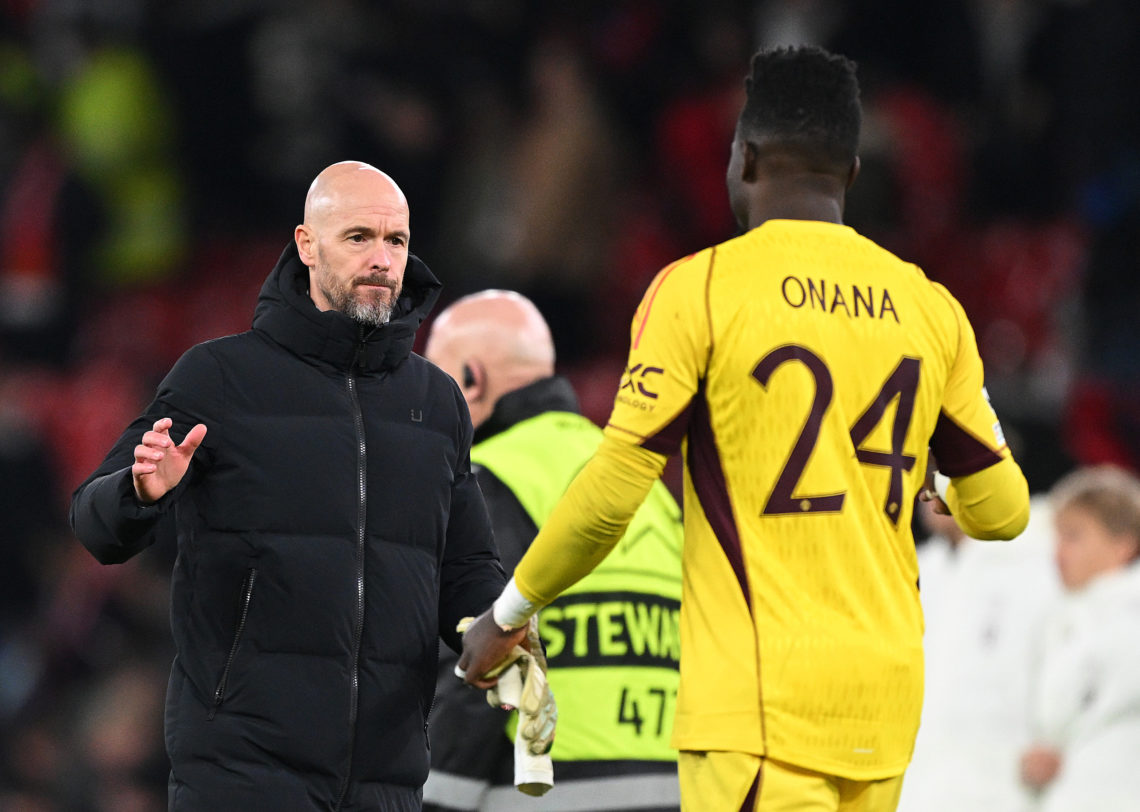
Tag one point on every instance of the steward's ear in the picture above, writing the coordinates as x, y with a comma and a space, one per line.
474, 382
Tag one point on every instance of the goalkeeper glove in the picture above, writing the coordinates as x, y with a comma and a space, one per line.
538, 712
522, 684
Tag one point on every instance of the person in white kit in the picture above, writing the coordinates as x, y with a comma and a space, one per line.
1086, 694
983, 603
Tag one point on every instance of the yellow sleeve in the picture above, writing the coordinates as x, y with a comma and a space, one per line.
967, 436
992, 503
669, 348
988, 495
670, 341
589, 519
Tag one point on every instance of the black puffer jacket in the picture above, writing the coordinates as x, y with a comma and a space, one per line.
329, 530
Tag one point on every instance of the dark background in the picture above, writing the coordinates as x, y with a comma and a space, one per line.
154, 158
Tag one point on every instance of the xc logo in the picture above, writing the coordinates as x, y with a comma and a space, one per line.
634, 379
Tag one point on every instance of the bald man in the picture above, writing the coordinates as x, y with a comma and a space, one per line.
612, 641
329, 526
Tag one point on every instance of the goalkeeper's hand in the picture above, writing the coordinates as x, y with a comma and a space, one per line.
487, 649
520, 682
934, 491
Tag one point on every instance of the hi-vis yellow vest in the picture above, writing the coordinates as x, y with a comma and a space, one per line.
613, 639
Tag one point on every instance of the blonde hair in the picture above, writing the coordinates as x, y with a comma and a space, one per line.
1110, 494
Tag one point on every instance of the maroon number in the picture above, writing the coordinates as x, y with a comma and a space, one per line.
783, 499
902, 383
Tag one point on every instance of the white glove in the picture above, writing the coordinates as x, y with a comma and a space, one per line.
538, 713
522, 684
534, 771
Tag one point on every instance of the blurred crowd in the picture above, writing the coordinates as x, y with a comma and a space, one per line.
154, 156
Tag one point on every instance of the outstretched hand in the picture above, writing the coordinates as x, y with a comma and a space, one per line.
159, 463
486, 646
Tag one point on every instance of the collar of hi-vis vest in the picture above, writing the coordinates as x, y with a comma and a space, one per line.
553, 394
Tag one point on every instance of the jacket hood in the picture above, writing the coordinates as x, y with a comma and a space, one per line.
286, 313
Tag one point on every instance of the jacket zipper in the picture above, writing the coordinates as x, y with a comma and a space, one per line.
246, 595
431, 705
361, 515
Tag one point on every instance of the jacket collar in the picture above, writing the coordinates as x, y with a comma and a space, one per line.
287, 315
553, 394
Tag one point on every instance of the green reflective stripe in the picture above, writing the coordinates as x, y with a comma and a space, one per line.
590, 794
613, 638
454, 791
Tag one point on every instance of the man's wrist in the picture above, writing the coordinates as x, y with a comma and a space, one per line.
511, 609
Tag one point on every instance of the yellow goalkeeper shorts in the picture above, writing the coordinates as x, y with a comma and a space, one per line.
740, 782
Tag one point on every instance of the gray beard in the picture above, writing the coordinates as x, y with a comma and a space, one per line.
370, 314
376, 314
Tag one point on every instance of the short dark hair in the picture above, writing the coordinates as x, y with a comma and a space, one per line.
806, 97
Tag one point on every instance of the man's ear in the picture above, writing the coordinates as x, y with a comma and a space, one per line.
749, 158
474, 380
305, 240
853, 172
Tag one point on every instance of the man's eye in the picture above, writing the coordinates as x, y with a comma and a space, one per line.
357, 238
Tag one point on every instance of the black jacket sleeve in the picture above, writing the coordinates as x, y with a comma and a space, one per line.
105, 513
468, 737
468, 740
470, 575
513, 527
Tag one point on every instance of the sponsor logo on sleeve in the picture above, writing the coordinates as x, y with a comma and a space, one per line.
639, 387
636, 379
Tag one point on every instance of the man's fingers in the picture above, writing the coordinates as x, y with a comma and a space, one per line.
148, 453
193, 438
156, 439
487, 650
463, 672
163, 424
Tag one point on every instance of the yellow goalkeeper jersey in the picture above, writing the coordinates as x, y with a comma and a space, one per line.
804, 370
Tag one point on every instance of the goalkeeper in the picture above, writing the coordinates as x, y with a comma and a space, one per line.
806, 373
612, 641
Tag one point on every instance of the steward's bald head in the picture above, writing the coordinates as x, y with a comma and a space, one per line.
496, 340
344, 184
502, 328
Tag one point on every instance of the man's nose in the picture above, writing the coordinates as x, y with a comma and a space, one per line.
382, 257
